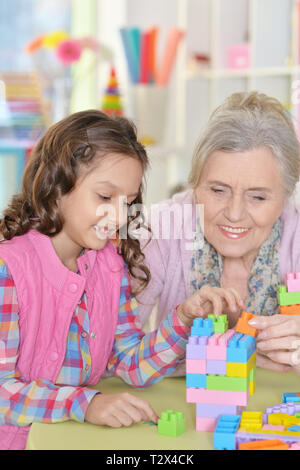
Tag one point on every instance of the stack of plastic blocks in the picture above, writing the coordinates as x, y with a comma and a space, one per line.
220, 368
289, 295
277, 429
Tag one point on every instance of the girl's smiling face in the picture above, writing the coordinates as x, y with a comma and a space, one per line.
98, 205
243, 196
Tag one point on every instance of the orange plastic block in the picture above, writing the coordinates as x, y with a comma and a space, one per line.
290, 309
268, 444
242, 324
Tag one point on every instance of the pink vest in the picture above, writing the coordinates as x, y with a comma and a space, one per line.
47, 297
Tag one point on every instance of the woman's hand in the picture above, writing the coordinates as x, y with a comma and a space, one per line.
209, 300
278, 342
122, 409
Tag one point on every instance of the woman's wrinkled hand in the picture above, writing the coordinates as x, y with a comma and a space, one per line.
209, 300
278, 342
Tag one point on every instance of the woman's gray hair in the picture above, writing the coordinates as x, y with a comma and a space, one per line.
247, 121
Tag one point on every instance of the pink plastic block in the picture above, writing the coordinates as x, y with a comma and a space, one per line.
204, 410
273, 427
216, 367
218, 397
196, 347
239, 56
217, 345
293, 282
206, 424
195, 366
295, 446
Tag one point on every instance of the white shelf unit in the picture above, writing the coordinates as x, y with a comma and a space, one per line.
269, 26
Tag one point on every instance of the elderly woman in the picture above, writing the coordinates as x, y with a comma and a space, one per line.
244, 172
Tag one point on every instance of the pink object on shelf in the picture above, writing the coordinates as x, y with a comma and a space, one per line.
239, 56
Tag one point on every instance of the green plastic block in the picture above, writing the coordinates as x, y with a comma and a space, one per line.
252, 375
171, 423
287, 298
230, 384
220, 323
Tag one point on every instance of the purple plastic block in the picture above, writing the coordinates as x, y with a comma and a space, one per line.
290, 408
196, 347
241, 437
205, 410
216, 367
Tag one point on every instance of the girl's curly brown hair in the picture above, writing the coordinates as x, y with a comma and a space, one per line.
52, 172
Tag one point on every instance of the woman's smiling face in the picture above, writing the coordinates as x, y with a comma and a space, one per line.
243, 196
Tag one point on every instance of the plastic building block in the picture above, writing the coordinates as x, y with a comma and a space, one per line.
290, 408
217, 397
195, 366
293, 282
224, 435
285, 436
251, 421
273, 427
217, 346
196, 380
171, 423
213, 411
243, 327
221, 382
295, 446
287, 298
202, 327
216, 367
289, 309
283, 419
238, 369
205, 424
196, 347
220, 323
240, 348
290, 397
268, 444
295, 428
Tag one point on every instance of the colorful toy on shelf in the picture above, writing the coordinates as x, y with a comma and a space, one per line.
171, 423
289, 295
112, 103
220, 368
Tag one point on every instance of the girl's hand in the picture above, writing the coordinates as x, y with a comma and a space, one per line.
278, 342
209, 300
118, 410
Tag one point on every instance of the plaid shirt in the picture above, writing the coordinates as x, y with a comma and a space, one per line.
139, 359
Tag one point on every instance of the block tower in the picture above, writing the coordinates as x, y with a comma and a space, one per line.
289, 295
111, 103
220, 368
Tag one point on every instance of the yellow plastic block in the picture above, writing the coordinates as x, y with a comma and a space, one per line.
252, 420
240, 369
284, 419
252, 388
272, 432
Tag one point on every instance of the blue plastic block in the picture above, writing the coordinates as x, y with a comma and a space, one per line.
286, 397
295, 428
196, 380
240, 348
224, 435
202, 327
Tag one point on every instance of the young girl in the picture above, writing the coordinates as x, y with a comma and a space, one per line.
66, 311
